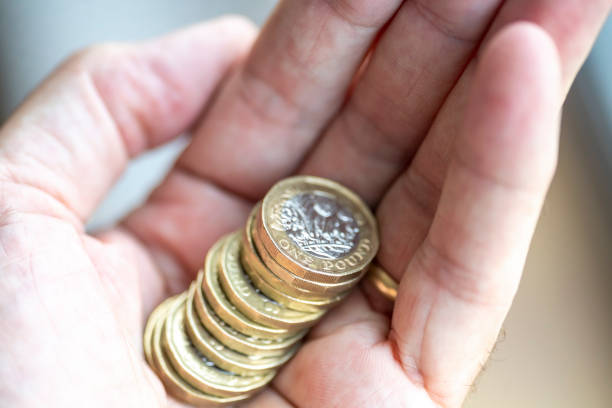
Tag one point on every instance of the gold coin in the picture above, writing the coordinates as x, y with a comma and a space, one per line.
317, 229
197, 369
250, 301
293, 281
225, 309
382, 281
309, 306
174, 384
274, 287
222, 356
158, 314
232, 338
254, 266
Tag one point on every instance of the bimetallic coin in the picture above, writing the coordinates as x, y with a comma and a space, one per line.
252, 302
274, 287
309, 306
232, 338
174, 384
197, 369
320, 288
224, 357
216, 297
254, 267
317, 229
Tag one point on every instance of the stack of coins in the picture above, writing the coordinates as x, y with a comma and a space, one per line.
304, 246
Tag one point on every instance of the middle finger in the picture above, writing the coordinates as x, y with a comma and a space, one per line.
413, 68
292, 83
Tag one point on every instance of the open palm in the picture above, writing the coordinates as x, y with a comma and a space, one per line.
443, 115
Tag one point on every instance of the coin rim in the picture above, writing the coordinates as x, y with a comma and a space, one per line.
255, 265
288, 301
176, 386
252, 265
294, 265
226, 357
233, 317
382, 281
159, 313
175, 356
268, 259
302, 320
276, 347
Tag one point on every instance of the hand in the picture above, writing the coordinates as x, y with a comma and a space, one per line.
455, 152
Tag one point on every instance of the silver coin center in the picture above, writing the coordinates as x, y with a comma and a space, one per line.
319, 225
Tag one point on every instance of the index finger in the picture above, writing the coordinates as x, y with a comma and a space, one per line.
292, 83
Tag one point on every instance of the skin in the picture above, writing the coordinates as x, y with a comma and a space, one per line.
449, 130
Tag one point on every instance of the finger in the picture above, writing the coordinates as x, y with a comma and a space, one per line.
269, 398
177, 225
73, 136
413, 67
293, 82
573, 24
58, 318
115, 266
416, 192
354, 310
363, 371
459, 286
129, 269
260, 125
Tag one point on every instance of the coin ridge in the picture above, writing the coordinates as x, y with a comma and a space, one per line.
221, 355
249, 301
159, 313
342, 195
277, 290
223, 307
290, 277
181, 352
255, 265
178, 387
287, 300
240, 342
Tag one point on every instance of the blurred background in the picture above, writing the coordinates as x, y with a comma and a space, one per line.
557, 346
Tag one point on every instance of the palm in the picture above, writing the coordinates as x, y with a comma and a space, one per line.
455, 222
